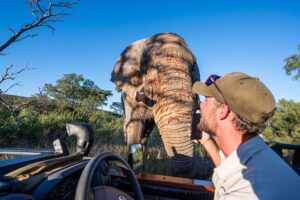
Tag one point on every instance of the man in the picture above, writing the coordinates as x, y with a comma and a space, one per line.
236, 110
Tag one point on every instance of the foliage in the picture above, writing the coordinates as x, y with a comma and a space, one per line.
76, 92
285, 124
293, 65
50, 123
117, 108
45, 13
41, 128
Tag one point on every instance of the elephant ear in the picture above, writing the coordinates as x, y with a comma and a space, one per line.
126, 73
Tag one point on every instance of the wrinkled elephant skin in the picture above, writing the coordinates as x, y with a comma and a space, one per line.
155, 76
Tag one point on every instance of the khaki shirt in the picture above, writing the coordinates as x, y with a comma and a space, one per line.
254, 171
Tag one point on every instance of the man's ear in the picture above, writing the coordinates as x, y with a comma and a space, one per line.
223, 111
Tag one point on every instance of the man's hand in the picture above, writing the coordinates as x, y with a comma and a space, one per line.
203, 137
209, 145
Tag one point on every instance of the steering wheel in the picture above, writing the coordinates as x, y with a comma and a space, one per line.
85, 192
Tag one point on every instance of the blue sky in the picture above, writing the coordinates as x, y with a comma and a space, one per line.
253, 37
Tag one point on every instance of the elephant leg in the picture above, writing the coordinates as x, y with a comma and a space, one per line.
132, 150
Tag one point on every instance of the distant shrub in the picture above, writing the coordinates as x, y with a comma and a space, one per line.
285, 125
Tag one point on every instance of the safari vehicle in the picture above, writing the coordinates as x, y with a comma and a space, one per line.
55, 174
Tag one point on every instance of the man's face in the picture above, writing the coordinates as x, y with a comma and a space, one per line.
208, 116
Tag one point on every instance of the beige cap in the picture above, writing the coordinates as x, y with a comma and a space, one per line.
246, 96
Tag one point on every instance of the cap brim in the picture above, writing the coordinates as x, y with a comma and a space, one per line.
202, 89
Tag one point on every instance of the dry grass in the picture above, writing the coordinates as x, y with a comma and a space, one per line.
156, 160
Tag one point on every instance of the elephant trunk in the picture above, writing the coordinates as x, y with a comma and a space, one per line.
173, 125
173, 116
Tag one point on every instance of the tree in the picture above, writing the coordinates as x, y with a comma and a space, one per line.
285, 125
117, 108
45, 13
293, 65
13, 109
76, 92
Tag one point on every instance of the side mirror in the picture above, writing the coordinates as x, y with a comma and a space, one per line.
84, 134
135, 158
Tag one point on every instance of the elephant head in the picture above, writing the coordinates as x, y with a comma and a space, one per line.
155, 76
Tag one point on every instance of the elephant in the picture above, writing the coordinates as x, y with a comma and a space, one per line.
155, 76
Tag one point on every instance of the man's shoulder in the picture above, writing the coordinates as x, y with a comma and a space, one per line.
255, 170
249, 148
265, 169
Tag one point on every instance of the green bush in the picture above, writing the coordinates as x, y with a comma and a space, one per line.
285, 124
38, 130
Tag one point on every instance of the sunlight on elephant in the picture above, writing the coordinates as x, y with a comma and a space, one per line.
155, 76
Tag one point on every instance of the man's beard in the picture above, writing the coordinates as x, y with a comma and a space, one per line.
205, 126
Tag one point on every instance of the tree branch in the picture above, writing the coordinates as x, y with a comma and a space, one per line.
26, 36
11, 75
16, 110
24, 105
13, 85
42, 17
